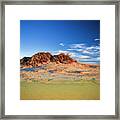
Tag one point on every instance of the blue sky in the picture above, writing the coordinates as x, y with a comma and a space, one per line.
79, 38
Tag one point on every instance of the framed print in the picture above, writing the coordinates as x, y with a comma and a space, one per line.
59, 59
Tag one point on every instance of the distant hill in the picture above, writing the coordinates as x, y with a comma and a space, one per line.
45, 58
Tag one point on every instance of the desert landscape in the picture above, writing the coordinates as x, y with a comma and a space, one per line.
44, 76
59, 59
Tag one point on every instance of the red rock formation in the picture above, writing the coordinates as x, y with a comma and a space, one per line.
45, 58
62, 58
25, 61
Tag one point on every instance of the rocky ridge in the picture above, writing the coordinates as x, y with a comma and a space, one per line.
45, 58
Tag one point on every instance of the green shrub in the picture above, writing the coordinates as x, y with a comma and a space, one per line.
93, 78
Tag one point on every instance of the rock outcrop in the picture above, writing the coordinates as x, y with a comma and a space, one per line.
45, 58
25, 61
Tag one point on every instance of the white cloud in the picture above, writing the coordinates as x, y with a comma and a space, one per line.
62, 51
84, 57
79, 50
83, 52
86, 51
72, 54
97, 47
61, 44
93, 48
89, 48
73, 46
70, 49
96, 39
98, 58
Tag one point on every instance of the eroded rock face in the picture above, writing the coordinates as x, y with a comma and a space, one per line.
25, 61
40, 58
62, 58
45, 58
